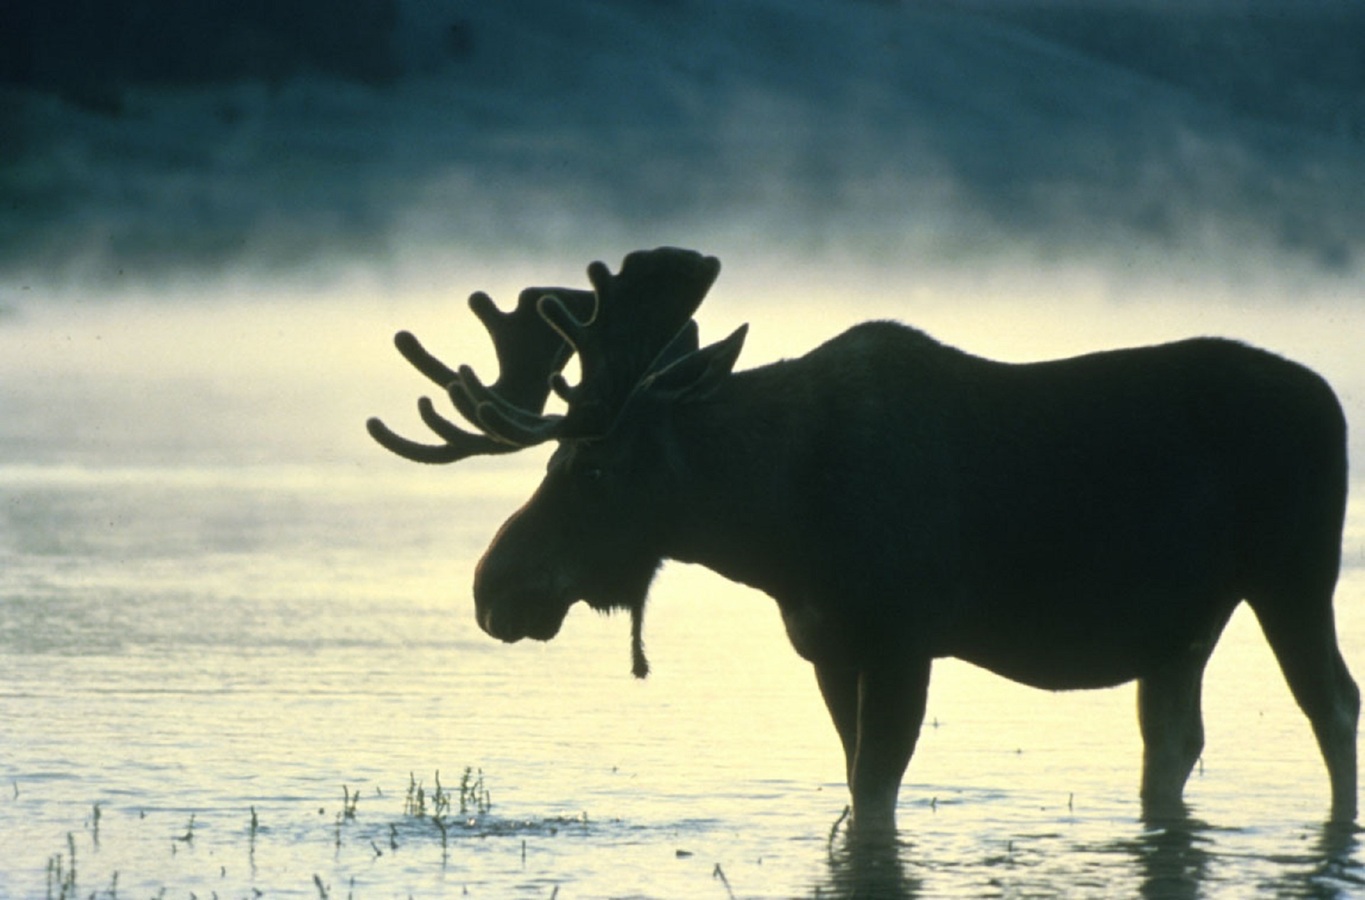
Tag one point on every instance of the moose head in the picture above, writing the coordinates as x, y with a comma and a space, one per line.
592, 531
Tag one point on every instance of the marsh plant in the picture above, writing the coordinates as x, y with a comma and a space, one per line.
61, 872
474, 796
437, 814
415, 803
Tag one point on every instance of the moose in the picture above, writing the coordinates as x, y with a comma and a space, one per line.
1077, 523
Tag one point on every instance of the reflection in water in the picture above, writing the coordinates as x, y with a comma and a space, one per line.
1176, 857
1172, 855
867, 865
1334, 870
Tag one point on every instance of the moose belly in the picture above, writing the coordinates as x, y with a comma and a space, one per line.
1061, 643
1057, 668
1092, 602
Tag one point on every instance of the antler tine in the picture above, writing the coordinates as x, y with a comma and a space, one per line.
503, 420
456, 436
529, 353
422, 361
576, 332
459, 444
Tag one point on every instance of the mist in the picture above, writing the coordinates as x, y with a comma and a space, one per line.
141, 145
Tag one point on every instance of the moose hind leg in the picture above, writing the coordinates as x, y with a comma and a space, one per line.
1171, 720
1305, 645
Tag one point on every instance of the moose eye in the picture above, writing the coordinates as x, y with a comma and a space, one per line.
594, 473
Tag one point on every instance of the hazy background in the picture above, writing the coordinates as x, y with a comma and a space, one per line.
150, 139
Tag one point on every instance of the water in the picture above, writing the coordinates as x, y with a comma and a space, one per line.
224, 614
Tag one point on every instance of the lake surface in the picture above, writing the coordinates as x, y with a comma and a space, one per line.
235, 637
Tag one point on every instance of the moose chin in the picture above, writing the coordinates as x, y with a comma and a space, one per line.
1077, 523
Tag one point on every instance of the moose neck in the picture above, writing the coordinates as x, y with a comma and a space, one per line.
739, 464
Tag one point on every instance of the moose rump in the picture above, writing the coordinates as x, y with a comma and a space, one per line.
1114, 508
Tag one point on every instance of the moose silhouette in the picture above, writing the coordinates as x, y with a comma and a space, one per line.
1077, 523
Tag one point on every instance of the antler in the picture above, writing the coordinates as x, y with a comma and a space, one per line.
631, 324
528, 354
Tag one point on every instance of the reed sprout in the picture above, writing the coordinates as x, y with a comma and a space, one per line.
440, 799
455, 810
474, 796
61, 875
415, 803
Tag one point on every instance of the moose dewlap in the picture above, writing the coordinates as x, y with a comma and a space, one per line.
1077, 523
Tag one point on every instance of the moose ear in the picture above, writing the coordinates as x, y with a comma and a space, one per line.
696, 375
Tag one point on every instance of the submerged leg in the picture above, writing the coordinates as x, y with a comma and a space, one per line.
891, 702
1305, 644
1172, 724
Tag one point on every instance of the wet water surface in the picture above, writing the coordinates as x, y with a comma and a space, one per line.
236, 641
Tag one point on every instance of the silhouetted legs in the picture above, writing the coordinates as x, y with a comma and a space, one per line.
1172, 725
877, 711
1305, 644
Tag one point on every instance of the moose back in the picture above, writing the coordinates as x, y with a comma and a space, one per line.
1070, 524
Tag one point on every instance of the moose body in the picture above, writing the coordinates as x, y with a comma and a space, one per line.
1078, 523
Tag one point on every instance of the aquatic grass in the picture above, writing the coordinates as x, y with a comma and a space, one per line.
61, 873
473, 794
347, 813
415, 803
440, 798
452, 814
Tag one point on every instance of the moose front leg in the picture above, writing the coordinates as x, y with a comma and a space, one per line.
839, 687
877, 711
